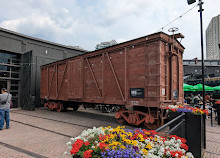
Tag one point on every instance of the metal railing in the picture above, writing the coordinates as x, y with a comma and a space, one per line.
178, 128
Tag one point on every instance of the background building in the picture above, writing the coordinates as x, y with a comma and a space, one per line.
193, 72
20, 59
213, 39
105, 44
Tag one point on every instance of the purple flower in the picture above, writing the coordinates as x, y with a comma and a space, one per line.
121, 153
183, 110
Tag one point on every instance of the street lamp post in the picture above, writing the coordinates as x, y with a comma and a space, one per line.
202, 55
202, 51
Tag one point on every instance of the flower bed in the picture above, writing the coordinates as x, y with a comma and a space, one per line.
194, 110
124, 143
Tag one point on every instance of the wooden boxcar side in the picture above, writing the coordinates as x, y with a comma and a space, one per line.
145, 72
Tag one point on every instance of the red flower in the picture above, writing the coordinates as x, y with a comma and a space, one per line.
174, 153
206, 112
87, 154
176, 137
135, 135
74, 150
101, 137
153, 132
132, 138
145, 136
184, 146
183, 140
76, 146
102, 145
86, 143
79, 143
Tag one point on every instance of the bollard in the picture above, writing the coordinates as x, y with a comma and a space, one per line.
195, 135
211, 118
218, 113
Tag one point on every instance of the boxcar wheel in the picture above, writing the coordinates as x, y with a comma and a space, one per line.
59, 107
153, 126
157, 123
75, 108
121, 120
65, 106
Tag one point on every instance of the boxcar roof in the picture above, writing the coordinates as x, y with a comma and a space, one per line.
124, 44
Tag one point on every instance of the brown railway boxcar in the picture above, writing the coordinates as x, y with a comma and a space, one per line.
143, 75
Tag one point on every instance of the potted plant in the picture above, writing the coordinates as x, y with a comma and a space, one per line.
125, 143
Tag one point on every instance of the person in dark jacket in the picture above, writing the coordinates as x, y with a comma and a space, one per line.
5, 99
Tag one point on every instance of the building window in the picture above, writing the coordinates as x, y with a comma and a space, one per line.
4, 68
4, 74
9, 73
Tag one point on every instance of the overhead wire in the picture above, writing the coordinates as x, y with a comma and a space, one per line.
177, 18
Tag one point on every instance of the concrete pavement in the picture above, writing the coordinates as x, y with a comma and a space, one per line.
43, 133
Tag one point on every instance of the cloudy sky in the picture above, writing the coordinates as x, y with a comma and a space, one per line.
86, 23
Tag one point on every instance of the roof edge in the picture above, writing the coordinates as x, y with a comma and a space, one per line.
40, 40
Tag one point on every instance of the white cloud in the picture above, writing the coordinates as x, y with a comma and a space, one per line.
89, 22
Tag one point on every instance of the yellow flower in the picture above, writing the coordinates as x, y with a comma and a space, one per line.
147, 133
141, 139
134, 142
111, 136
106, 139
144, 151
128, 141
129, 134
122, 146
124, 139
122, 135
148, 146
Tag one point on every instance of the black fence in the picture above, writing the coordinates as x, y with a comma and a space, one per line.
189, 126
176, 124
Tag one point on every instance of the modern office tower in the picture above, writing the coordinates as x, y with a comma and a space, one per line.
213, 39
105, 44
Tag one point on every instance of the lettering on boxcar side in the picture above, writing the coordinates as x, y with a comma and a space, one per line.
163, 91
137, 92
134, 102
175, 94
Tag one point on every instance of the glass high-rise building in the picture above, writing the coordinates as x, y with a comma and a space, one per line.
213, 39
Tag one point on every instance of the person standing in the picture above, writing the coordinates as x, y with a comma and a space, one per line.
5, 99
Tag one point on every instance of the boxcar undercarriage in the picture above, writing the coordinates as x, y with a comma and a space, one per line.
150, 117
